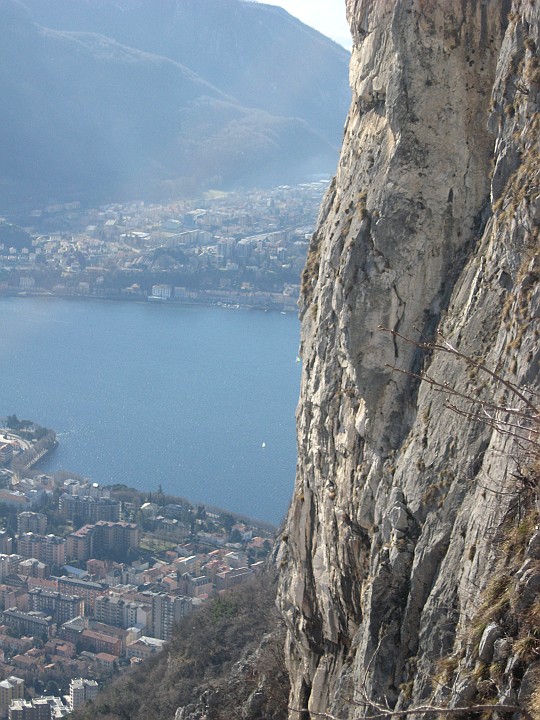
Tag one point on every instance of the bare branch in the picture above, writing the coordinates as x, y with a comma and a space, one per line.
426, 709
499, 426
447, 389
446, 347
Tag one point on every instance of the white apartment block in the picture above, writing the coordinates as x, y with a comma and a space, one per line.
10, 689
81, 691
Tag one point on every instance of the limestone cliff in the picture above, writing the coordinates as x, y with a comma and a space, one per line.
395, 538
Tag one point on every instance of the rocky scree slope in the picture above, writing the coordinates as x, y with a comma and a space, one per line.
410, 558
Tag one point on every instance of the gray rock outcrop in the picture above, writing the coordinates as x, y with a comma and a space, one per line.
403, 497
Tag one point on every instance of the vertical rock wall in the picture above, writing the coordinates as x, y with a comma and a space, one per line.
431, 224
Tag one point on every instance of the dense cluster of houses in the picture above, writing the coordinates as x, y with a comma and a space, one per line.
246, 248
69, 610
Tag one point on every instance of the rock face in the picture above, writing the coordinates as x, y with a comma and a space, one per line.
391, 546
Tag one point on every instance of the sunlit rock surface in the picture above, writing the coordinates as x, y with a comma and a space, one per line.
430, 226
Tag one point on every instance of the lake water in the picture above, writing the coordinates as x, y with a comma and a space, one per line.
146, 394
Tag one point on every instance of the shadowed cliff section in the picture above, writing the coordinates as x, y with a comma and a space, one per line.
402, 503
88, 118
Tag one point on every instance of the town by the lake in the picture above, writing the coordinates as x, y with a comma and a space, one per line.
245, 249
94, 578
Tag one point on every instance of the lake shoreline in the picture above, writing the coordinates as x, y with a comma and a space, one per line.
201, 301
200, 402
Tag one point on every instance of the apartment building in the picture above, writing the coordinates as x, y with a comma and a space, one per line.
29, 545
62, 607
15, 645
6, 542
85, 589
33, 568
80, 544
29, 710
100, 539
13, 597
230, 578
10, 689
116, 611
53, 550
167, 611
81, 691
72, 630
40, 708
49, 549
29, 623
9, 564
31, 522
113, 535
15, 499
89, 509
6, 453
199, 586
144, 647
110, 610
102, 642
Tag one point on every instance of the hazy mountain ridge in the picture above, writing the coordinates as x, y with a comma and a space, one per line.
255, 52
87, 117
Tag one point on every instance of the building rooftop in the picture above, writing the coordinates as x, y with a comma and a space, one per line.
76, 572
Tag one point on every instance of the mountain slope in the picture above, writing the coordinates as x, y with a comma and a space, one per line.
226, 660
88, 118
410, 559
257, 53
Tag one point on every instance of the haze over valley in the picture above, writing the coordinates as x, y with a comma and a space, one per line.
112, 100
118, 116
